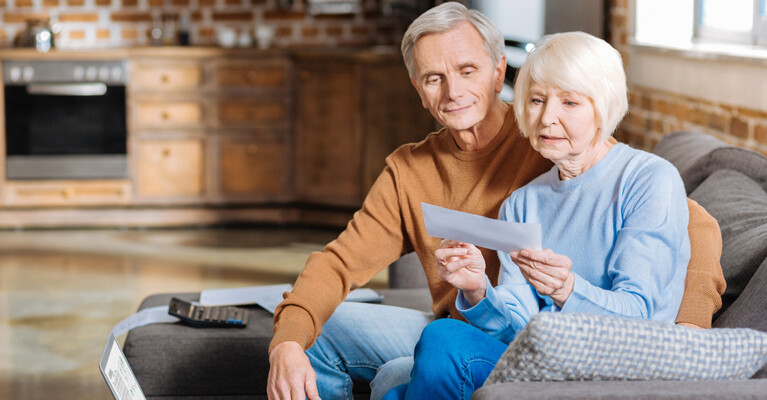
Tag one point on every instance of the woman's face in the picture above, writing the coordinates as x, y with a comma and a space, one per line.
562, 125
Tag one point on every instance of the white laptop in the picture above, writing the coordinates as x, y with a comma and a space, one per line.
118, 373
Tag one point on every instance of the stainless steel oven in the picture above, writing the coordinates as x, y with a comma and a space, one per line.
65, 119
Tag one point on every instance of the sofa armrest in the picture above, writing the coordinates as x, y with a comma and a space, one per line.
624, 390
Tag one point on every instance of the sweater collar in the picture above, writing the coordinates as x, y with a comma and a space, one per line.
508, 129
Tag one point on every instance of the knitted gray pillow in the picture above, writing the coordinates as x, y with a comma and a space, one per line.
579, 346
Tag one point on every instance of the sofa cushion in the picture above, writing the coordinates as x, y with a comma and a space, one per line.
748, 310
745, 161
684, 148
580, 346
740, 207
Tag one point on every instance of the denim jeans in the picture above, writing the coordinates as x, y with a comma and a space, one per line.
452, 360
357, 340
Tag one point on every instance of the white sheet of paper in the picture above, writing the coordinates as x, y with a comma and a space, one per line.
244, 295
151, 315
269, 297
480, 231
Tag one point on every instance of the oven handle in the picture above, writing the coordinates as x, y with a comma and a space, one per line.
68, 89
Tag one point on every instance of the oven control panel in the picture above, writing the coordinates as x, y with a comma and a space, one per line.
110, 72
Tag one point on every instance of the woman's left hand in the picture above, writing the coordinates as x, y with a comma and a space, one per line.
548, 272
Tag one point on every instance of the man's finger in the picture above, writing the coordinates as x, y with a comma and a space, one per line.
311, 388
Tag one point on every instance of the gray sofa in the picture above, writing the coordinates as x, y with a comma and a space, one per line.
173, 361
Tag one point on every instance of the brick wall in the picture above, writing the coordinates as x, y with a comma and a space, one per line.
653, 113
109, 23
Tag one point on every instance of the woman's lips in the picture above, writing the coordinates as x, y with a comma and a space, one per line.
550, 139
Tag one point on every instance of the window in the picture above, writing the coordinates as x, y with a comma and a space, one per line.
734, 21
703, 21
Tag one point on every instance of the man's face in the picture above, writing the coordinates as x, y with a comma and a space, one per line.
456, 78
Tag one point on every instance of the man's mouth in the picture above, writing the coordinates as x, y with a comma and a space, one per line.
457, 109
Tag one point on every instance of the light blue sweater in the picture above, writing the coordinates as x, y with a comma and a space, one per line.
623, 223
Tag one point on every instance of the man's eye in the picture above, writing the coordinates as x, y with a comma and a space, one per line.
432, 79
468, 72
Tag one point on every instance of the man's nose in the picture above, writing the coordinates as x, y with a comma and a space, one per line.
453, 88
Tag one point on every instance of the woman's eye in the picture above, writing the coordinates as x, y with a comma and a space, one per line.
571, 103
536, 101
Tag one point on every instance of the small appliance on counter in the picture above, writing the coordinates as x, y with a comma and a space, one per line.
37, 34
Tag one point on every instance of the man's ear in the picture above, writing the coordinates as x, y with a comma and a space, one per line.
418, 89
500, 70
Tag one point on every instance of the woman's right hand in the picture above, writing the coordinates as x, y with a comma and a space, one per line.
462, 265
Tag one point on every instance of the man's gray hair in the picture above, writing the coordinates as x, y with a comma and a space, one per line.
445, 17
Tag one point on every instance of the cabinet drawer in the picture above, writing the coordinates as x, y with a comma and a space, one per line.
165, 115
248, 75
66, 193
166, 77
248, 112
170, 168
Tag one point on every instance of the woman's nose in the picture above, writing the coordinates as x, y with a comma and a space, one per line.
549, 115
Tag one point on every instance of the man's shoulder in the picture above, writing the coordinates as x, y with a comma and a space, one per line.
429, 145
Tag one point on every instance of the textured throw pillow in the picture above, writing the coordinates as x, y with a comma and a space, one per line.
579, 346
739, 204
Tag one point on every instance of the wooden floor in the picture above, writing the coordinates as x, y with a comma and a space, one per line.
61, 292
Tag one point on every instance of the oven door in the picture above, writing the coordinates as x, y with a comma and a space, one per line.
65, 131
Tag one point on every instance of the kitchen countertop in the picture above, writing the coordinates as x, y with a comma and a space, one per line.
369, 53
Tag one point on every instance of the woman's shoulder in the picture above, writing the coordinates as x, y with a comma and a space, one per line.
646, 162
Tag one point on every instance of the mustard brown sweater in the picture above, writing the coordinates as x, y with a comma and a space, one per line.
390, 224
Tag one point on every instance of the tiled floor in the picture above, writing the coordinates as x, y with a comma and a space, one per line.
61, 292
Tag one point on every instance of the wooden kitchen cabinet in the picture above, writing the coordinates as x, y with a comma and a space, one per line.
351, 114
252, 169
170, 169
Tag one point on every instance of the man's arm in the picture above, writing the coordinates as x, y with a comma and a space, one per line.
372, 240
705, 284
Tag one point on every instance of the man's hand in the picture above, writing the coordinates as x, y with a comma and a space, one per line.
291, 375
462, 265
548, 272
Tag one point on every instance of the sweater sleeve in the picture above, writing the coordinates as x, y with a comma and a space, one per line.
647, 263
371, 241
507, 308
705, 284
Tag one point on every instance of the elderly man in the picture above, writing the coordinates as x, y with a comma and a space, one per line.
456, 63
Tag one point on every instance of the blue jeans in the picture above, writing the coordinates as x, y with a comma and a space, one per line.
357, 340
452, 360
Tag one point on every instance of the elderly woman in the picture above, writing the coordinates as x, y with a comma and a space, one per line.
615, 220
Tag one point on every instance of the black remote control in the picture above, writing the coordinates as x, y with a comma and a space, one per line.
208, 316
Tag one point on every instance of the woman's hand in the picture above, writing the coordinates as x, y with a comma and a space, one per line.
547, 272
462, 265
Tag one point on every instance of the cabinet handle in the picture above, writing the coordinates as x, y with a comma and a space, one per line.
166, 152
165, 115
164, 78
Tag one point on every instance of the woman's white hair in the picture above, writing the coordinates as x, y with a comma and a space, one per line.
576, 62
445, 17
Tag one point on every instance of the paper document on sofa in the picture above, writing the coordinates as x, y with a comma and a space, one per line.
268, 297
480, 231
